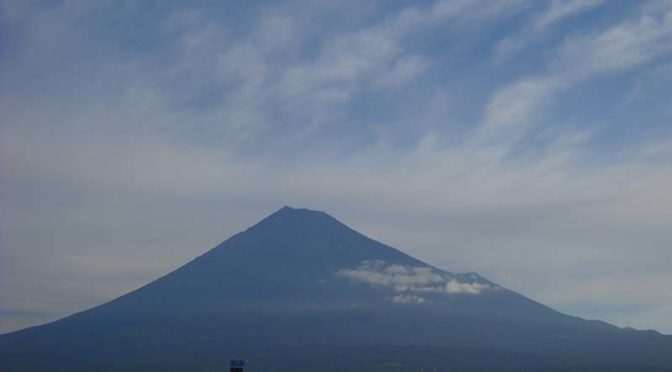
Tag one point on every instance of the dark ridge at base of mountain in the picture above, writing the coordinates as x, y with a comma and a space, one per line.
300, 291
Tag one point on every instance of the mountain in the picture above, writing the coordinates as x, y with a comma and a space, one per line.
300, 291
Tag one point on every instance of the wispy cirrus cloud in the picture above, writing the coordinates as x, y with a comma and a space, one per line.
577, 60
559, 10
537, 28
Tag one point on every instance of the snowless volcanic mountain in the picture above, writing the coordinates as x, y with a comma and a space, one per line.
300, 291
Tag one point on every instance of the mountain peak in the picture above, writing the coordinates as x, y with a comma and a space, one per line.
305, 240
298, 218
291, 210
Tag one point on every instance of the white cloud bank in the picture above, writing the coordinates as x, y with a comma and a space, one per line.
407, 280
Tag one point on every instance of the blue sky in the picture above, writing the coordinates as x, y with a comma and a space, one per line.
527, 140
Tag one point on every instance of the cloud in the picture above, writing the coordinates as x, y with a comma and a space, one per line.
540, 24
406, 279
618, 48
514, 107
515, 104
559, 10
408, 299
453, 286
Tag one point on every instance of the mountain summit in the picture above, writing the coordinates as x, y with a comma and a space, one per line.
301, 291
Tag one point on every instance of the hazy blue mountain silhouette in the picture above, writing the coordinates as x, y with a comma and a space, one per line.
301, 291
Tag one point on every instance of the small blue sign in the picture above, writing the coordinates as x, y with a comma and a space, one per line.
237, 363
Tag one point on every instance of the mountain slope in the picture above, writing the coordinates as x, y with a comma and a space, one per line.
301, 290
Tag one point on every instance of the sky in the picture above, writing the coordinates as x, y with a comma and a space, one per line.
529, 141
